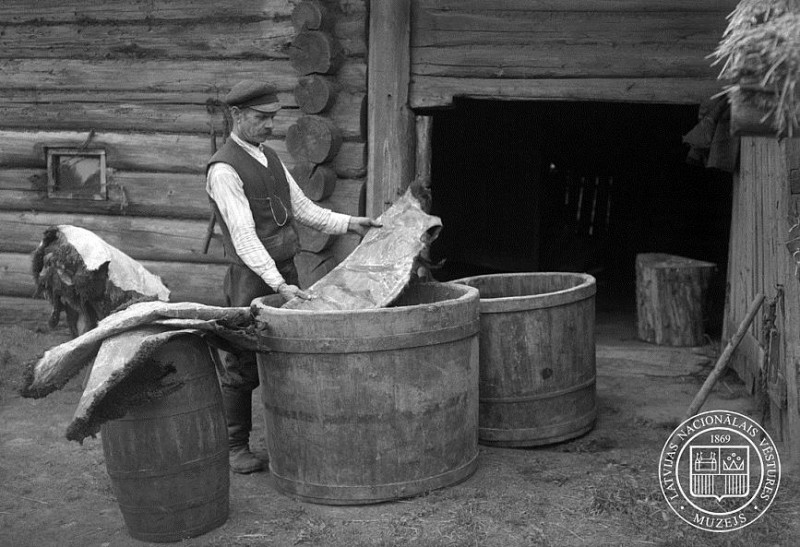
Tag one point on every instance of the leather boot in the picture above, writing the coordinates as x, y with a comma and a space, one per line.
238, 412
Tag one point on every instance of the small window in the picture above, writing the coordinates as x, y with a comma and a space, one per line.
76, 174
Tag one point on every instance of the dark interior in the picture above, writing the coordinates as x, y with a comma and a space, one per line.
575, 186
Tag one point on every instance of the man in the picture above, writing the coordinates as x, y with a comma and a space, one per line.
256, 202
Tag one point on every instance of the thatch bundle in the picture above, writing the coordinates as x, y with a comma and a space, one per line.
761, 54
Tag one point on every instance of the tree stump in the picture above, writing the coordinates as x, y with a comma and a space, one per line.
670, 298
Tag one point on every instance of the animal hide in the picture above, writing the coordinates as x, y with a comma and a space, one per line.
82, 275
59, 364
378, 270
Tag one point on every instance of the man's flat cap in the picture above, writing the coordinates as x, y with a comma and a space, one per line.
252, 94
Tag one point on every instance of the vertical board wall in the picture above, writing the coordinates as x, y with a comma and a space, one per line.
765, 203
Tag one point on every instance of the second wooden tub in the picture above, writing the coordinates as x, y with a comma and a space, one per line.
537, 357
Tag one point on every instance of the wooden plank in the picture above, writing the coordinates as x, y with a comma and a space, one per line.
536, 29
171, 153
144, 11
723, 6
215, 77
791, 312
214, 38
188, 282
391, 127
142, 238
565, 61
427, 91
97, 111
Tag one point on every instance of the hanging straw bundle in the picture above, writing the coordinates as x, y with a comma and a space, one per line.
761, 54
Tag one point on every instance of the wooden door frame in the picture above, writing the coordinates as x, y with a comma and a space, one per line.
391, 127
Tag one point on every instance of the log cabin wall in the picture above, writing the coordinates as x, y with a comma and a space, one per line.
135, 78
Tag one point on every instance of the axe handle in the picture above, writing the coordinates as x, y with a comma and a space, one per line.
724, 359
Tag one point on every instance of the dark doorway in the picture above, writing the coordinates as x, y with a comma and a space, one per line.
575, 186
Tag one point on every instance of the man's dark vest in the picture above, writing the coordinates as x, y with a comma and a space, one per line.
267, 192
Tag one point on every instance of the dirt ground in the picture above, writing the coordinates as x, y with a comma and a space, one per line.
600, 489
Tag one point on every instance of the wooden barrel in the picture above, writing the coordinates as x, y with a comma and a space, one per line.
372, 405
537, 357
168, 459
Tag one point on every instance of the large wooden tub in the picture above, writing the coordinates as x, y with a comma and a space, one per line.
374, 405
537, 357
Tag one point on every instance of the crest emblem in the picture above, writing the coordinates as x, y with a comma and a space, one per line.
717, 471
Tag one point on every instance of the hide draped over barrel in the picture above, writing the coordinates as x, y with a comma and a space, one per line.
168, 460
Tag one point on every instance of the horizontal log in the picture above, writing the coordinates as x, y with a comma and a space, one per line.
142, 238
199, 39
168, 195
220, 39
18, 110
429, 91
187, 282
180, 75
722, 6
149, 152
146, 11
171, 195
51, 11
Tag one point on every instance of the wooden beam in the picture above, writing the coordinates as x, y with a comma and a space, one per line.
142, 238
217, 38
512, 6
166, 76
431, 91
145, 11
390, 165
424, 153
158, 152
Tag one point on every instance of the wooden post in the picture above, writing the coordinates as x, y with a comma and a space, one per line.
670, 298
391, 129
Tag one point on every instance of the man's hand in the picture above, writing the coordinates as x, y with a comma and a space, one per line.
361, 225
290, 291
